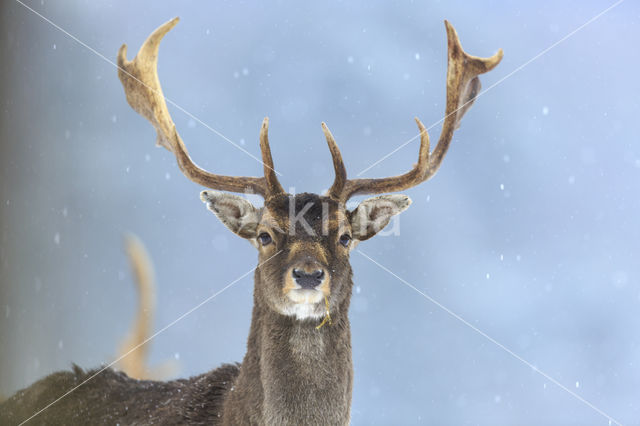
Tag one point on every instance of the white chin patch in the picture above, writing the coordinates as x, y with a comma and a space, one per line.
303, 311
305, 304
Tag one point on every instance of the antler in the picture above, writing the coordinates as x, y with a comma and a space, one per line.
144, 93
463, 86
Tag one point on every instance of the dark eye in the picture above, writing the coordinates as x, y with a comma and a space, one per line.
264, 239
345, 239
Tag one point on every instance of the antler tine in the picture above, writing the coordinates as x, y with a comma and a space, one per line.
144, 93
463, 86
273, 185
338, 165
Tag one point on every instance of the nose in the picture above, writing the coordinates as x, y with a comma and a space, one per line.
309, 280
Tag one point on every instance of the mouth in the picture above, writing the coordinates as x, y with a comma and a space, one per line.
306, 304
305, 296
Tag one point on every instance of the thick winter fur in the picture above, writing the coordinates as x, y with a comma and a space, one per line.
114, 398
293, 373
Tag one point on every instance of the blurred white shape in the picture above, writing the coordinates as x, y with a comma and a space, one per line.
545, 110
619, 279
56, 238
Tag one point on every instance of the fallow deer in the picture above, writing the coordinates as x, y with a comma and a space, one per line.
298, 368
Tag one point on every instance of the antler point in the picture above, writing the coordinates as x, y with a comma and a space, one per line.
122, 54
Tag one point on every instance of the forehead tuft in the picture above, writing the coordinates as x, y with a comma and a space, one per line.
308, 206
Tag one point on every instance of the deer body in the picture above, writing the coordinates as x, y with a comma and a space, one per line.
298, 368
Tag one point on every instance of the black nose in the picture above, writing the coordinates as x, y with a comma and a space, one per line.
307, 280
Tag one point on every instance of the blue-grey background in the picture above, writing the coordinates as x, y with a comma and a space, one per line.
529, 231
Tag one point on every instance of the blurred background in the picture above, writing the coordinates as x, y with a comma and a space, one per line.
529, 231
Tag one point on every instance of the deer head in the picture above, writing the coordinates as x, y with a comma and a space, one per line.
303, 240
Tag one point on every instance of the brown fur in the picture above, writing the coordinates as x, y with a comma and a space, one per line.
292, 372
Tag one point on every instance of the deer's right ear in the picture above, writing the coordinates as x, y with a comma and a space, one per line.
238, 214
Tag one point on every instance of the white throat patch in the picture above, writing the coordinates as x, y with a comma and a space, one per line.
304, 311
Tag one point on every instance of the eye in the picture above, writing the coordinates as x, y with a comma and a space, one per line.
345, 239
265, 239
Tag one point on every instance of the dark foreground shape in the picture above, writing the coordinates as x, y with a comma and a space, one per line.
112, 397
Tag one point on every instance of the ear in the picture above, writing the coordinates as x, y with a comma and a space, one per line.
373, 214
238, 214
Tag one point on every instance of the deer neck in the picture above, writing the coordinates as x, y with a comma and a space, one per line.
301, 374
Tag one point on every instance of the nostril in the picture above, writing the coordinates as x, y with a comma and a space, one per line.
308, 280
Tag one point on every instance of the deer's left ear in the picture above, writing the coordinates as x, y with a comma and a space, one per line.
238, 214
373, 214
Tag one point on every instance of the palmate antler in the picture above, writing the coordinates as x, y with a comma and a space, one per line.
144, 93
463, 86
